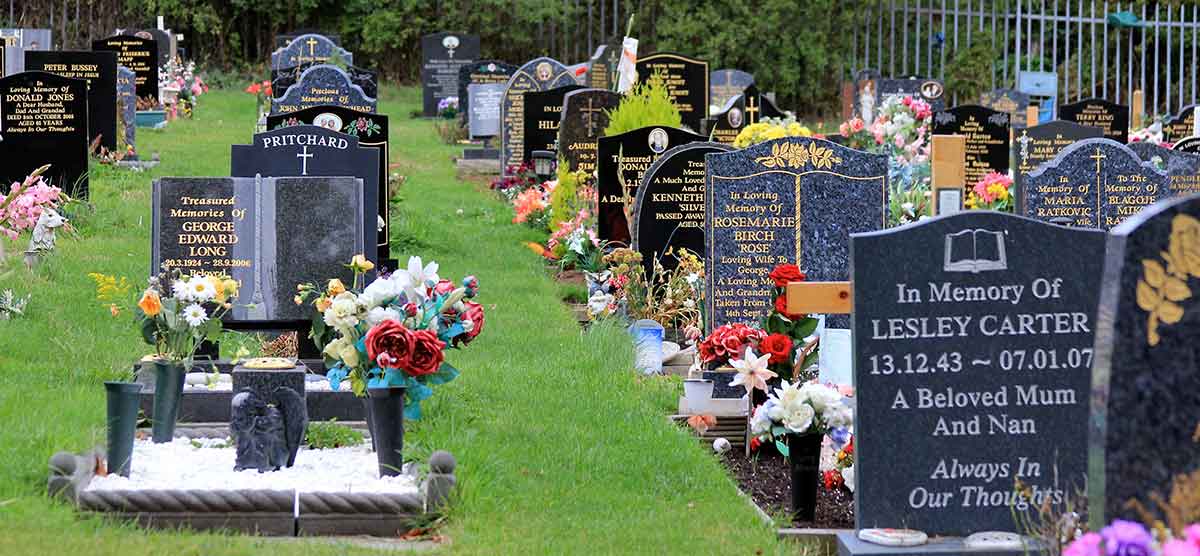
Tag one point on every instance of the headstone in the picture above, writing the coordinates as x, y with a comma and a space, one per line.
725, 84
668, 207
31, 39
747, 108
626, 158
584, 116
44, 120
1111, 117
580, 72
442, 56
367, 79
1183, 125
1145, 382
138, 54
539, 74
1183, 169
865, 101
1095, 183
310, 48
269, 234
973, 348
99, 70
166, 46
686, 80
929, 90
484, 118
323, 85
482, 73
1188, 145
127, 98
283, 39
1042, 88
602, 67
1038, 145
987, 132
1008, 101
543, 112
792, 200
12, 56
372, 131
309, 150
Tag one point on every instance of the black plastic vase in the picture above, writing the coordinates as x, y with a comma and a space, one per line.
123, 398
387, 427
168, 389
804, 455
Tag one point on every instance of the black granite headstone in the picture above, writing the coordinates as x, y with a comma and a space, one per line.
1182, 169
127, 99
747, 108
602, 67
310, 48
1009, 101
1094, 183
585, 114
323, 85
442, 55
972, 369
929, 90
367, 79
372, 131
482, 73
160, 35
138, 54
539, 74
668, 210
1038, 145
1146, 379
99, 70
44, 120
791, 200
1111, 117
625, 160
987, 133
542, 113
284, 39
725, 84
686, 81
1188, 145
1183, 125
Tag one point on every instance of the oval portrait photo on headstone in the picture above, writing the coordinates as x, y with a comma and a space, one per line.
659, 140
328, 120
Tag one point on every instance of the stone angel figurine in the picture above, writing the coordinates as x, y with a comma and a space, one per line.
267, 435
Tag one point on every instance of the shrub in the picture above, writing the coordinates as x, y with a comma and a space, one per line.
646, 105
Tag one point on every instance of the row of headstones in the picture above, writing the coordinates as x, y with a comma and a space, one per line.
311, 69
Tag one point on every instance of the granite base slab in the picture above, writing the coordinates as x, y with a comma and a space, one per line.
485, 167
850, 545
213, 407
481, 154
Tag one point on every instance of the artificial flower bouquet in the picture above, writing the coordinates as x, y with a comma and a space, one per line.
993, 192
769, 129
672, 298
729, 343
518, 179
394, 332
841, 474
787, 334
447, 108
801, 408
902, 131
1128, 537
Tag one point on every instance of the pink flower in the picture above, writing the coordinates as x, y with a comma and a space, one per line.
1193, 534
1176, 547
1087, 545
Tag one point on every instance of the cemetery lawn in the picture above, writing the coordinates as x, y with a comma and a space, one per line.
561, 448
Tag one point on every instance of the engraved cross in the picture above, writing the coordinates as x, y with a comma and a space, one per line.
304, 156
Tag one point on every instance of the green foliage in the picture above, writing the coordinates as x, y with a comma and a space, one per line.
329, 434
969, 70
564, 201
647, 104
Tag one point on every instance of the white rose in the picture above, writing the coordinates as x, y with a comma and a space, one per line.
848, 477
379, 314
381, 291
343, 311
800, 419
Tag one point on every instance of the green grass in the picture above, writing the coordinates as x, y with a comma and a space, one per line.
561, 447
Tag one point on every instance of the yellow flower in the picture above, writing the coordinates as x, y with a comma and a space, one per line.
360, 264
230, 287
298, 300
334, 288
998, 191
150, 303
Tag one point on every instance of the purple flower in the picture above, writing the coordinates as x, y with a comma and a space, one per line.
1176, 547
1087, 545
1126, 538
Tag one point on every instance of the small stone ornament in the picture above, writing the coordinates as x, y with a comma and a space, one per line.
721, 445
994, 540
43, 232
267, 436
893, 537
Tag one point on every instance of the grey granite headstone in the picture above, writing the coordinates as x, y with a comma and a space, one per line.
127, 97
31, 39
669, 209
973, 342
687, 83
99, 70
138, 54
747, 108
1111, 117
543, 112
323, 85
310, 48
1146, 380
368, 80
269, 234
1182, 168
624, 161
442, 56
1039, 144
1182, 125
484, 118
44, 120
585, 114
725, 84
791, 200
602, 66
539, 74
1009, 101
929, 90
987, 133
483, 72
1094, 183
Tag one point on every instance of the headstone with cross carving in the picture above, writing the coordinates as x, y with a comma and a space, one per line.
1094, 183
310, 150
745, 109
442, 55
323, 85
725, 84
309, 48
584, 116
539, 74
542, 113
1036, 145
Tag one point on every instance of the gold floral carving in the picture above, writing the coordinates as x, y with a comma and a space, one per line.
1161, 288
796, 155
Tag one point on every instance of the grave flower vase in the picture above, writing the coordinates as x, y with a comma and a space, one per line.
168, 389
370, 420
123, 398
804, 455
387, 428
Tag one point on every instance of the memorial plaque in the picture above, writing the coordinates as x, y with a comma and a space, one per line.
310, 150
484, 118
310, 48
725, 84
686, 81
44, 120
602, 67
584, 116
668, 210
482, 73
624, 161
138, 54
539, 74
161, 36
929, 90
323, 85
1181, 126
99, 70
987, 132
791, 200
973, 342
269, 234
127, 99
743, 110
1111, 117
1146, 380
1008, 101
372, 131
1094, 183
1039, 144
1182, 169
367, 79
543, 112
442, 56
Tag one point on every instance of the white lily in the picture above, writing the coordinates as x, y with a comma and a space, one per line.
752, 371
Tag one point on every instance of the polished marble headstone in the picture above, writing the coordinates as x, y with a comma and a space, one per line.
987, 132
484, 118
138, 54
1182, 168
1094, 183
724, 84
166, 47
1009, 101
624, 161
686, 80
99, 70
442, 56
1039, 144
44, 120
1182, 125
482, 72
932, 91
585, 115
1111, 117
543, 113
602, 66
323, 85
310, 48
747, 108
539, 74
284, 78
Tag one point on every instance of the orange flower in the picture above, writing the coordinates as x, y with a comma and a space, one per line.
116, 311
150, 303
322, 304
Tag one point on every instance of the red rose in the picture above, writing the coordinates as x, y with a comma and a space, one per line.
781, 308
390, 345
785, 273
732, 344
754, 444
443, 287
707, 352
427, 354
474, 314
833, 479
779, 346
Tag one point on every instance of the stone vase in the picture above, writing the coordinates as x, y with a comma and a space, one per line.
123, 398
168, 390
804, 457
387, 428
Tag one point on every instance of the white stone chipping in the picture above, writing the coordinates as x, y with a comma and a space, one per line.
179, 464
